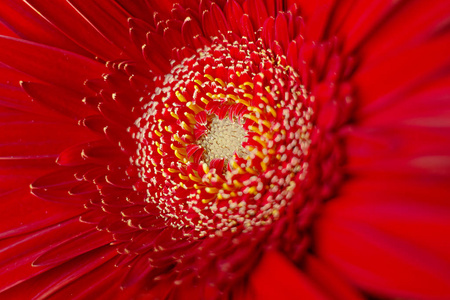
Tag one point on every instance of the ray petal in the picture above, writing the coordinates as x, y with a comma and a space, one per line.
53, 65
277, 277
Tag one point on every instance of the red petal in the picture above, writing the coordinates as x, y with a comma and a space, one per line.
217, 163
173, 38
114, 114
30, 25
191, 149
14, 97
73, 156
63, 16
233, 13
189, 31
53, 65
306, 7
281, 31
246, 28
19, 173
31, 213
364, 18
214, 21
11, 77
76, 246
415, 22
329, 280
382, 260
102, 283
268, 34
292, 54
412, 209
139, 270
278, 278
404, 70
51, 97
318, 21
257, 12
38, 138
142, 9
121, 138
18, 253
43, 285
60, 177
158, 43
273, 7
120, 180
4, 30
110, 20
96, 123
155, 60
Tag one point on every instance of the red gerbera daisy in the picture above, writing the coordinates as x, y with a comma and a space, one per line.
229, 149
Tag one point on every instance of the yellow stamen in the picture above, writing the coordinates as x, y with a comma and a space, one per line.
250, 84
195, 178
242, 101
190, 117
180, 96
255, 129
220, 81
178, 139
209, 77
195, 108
205, 168
211, 190
234, 97
266, 123
179, 155
181, 150
271, 110
250, 96
258, 139
237, 184
252, 190
251, 170
186, 126
183, 177
255, 109
226, 187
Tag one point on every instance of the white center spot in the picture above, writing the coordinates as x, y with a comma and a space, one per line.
223, 139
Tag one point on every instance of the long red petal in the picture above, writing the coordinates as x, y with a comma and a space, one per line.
277, 278
50, 64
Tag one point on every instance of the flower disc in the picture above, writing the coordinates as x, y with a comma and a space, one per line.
223, 141
224, 149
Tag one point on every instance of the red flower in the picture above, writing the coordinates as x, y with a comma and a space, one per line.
224, 149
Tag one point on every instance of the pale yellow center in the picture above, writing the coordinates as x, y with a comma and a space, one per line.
223, 139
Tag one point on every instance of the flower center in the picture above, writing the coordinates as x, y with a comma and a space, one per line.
223, 140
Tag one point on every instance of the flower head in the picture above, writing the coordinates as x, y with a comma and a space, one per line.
224, 149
